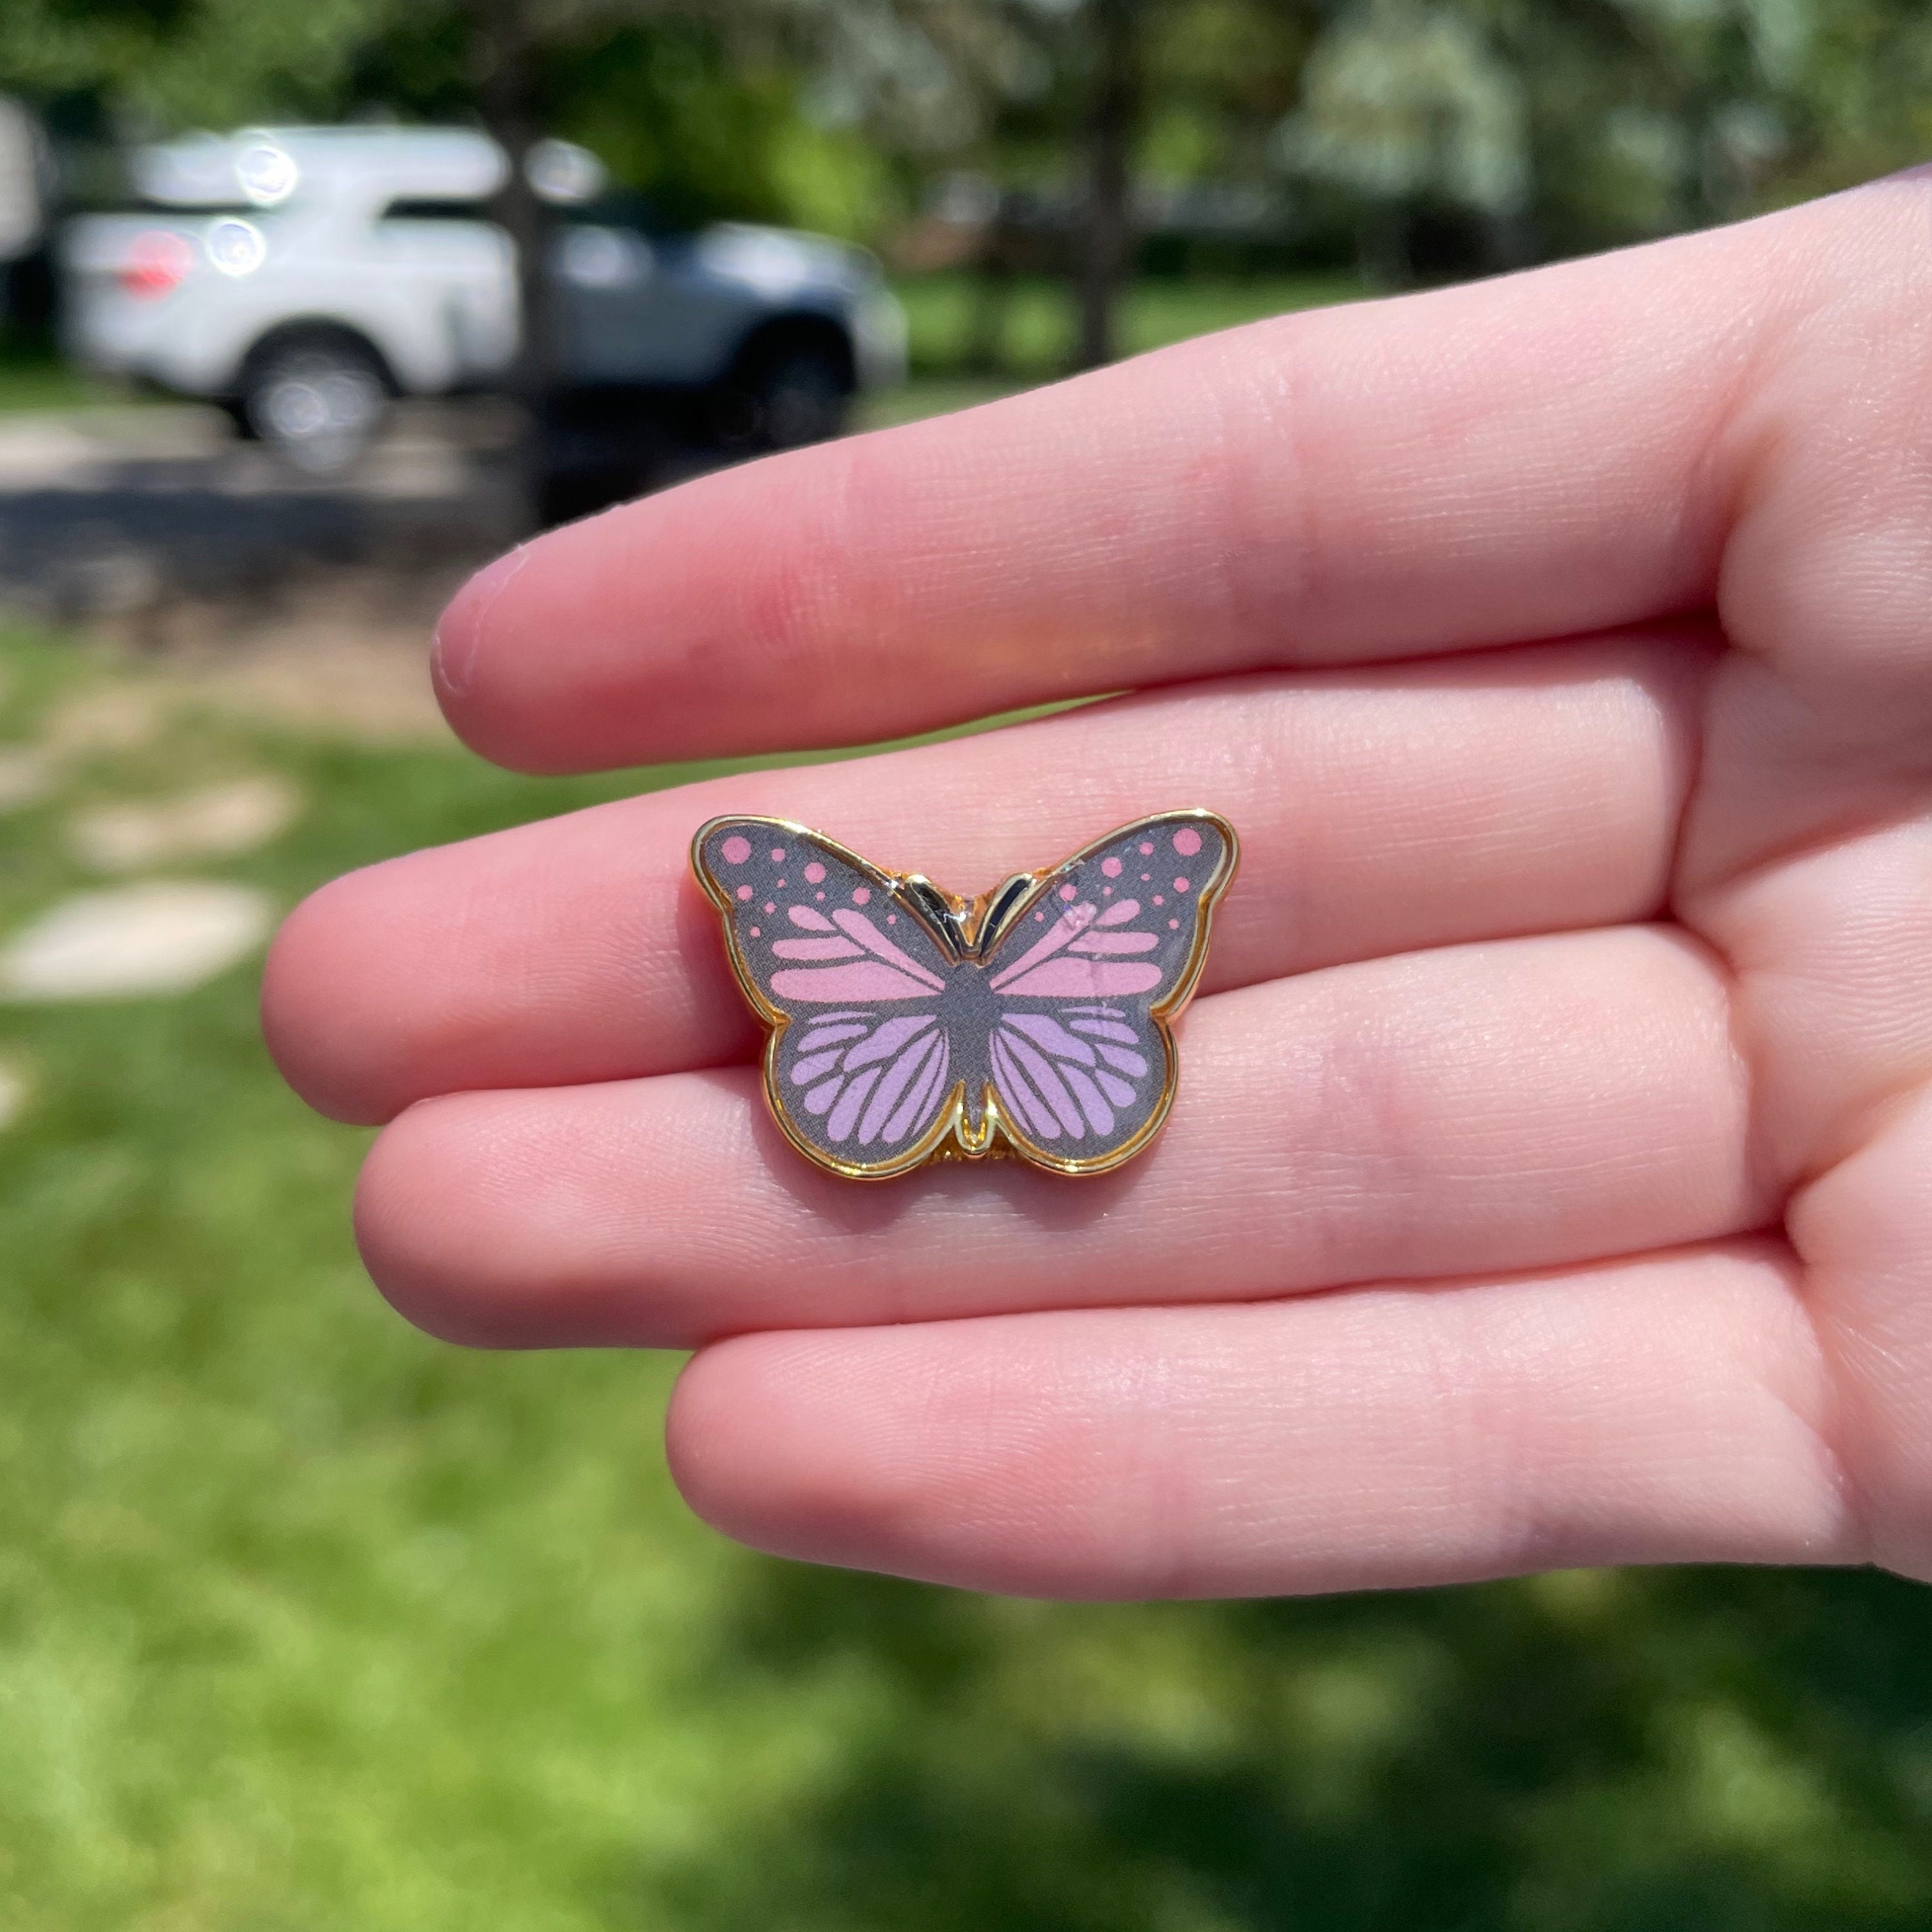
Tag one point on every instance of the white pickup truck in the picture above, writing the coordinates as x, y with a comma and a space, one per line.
303, 276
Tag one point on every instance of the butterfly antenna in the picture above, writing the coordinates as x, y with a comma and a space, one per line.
993, 913
944, 916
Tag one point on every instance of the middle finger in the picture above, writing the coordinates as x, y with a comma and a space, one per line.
1380, 811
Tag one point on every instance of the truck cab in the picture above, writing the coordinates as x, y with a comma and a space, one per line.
302, 277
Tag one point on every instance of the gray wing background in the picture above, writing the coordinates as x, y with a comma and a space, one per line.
862, 1066
1079, 1063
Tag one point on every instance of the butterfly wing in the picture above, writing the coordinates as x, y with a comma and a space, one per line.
859, 1066
1087, 976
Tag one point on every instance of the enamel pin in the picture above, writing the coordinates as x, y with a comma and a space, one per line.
908, 1025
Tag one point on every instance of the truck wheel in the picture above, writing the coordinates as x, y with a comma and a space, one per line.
793, 395
317, 402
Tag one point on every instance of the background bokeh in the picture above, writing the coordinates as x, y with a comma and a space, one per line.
309, 1623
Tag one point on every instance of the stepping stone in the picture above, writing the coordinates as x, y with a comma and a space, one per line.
215, 822
165, 936
26, 776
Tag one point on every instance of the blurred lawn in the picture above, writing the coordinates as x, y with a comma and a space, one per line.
33, 379
1036, 337
310, 1624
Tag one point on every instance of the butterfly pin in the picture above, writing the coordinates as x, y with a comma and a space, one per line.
908, 1025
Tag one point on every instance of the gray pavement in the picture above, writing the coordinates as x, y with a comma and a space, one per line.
136, 518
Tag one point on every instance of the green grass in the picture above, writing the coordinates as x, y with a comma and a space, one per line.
1037, 339
308, 1624
38, 379
1036, 342
925, 396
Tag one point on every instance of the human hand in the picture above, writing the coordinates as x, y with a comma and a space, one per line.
1551, 1179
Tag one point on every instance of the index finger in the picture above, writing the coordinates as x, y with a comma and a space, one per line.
1515, 460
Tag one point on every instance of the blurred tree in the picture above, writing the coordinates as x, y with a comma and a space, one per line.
1221, 74
979, 98
1863, 97
1610, 118
1064, 108
1450, 134
1643, 117
1563, 125
165, 63
1406, 105
707, 105
1116, 95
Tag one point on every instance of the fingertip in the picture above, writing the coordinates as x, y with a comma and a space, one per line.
402, 1199
302, 1022
697, 1443
751, 1458
924, 1452
463, 636
717, 1437
610, 641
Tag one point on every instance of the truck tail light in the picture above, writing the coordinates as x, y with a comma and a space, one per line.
158, 263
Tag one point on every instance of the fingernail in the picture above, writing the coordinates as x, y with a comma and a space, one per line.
458, 636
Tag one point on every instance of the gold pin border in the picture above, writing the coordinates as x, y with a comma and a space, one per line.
950, 1137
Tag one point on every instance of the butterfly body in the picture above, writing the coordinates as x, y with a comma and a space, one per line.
908, 1024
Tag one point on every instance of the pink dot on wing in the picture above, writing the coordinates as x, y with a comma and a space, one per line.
1180, 885
756, 934
778, 855
736, 851
1158, 900
1066, 892
769, 907
1187, 841
744, 891
1173, 925
1112, 867
860, 894
814, 872
1146, 851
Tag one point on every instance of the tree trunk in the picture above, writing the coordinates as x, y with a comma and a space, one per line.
986, 327
1107, 239
1383, 257
507, 97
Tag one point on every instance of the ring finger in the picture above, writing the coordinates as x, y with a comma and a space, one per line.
1527, 1103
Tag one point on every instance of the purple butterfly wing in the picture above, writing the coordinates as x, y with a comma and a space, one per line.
860, 1066
1103, 955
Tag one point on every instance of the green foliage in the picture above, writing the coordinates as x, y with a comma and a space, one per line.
1864, 90
190, 63
704, 119
672, 112
1574, 123
1403, 100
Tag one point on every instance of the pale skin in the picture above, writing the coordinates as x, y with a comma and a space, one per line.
1551, 1179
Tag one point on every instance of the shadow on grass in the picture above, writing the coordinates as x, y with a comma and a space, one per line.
1728, 1752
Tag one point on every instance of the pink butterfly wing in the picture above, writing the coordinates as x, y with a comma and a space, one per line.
1106, 952
859, 1064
